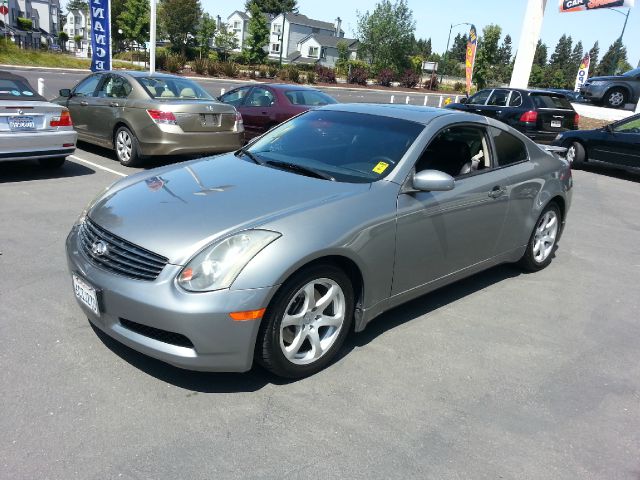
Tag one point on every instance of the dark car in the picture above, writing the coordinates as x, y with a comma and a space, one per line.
539, 114
572, 95
614, 91
616, 144
266, 105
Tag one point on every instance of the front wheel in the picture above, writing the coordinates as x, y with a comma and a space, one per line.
543, 240
615, 98
306, 322
575, 154
127, 149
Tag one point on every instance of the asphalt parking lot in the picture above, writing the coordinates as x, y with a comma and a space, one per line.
504, 375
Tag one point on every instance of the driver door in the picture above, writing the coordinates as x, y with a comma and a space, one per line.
79, 103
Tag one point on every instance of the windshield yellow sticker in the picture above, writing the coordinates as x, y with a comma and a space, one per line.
380, 167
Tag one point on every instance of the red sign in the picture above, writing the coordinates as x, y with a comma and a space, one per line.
581, 5
3, 10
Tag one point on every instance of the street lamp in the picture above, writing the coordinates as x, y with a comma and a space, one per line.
444, 58
617, 53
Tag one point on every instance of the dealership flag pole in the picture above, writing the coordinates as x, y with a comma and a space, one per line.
152, 39
531, 26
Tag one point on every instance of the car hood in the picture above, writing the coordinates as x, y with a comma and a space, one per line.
176, 210
606, 79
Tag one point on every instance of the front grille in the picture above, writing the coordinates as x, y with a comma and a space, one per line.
119, 256
163, 336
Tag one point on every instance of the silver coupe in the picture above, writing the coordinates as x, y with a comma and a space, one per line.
275, 253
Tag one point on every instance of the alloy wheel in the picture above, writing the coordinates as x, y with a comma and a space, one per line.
545, 236
124, 146
312, 321
571, 154
616, 99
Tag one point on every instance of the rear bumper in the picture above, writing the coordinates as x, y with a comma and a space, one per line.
171, 140
36, 145
541, 136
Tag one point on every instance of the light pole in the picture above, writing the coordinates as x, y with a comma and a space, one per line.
152, 38
281, 36
444, 58
617, 52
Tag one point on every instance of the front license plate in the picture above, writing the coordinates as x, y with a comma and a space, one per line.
86, 294
556, 123
22, 123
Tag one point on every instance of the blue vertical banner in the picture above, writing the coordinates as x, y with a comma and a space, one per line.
100, 35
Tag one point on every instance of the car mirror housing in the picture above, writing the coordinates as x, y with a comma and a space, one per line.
433, 181
65, 92
464, 100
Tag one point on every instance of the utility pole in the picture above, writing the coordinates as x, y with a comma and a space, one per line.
152, 39
624, 27
284, 18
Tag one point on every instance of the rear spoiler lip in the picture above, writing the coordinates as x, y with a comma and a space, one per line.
562, 151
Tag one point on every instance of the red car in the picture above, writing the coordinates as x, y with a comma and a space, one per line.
265, 105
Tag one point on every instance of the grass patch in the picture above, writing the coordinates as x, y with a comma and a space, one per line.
12, 55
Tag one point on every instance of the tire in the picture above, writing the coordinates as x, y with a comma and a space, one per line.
311, 340
615, 98
541, 247
127, 148
576, 154
52, 162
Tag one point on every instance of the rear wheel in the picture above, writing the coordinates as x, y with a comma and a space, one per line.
543, 240
575, 154
615, 98
127, 149
306, 322
51, 162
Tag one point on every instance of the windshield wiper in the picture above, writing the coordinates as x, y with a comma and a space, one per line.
308, 171
243, 152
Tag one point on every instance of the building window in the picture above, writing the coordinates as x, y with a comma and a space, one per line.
277, 29
275, 48
323, 52
313, 52
236, 25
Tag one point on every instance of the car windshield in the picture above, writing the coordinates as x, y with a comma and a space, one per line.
350, 147
173, 88
17, 89
632, 73
309, 98
540, 100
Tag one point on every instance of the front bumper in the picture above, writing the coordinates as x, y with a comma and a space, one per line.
217, 342
595, 93
36, 145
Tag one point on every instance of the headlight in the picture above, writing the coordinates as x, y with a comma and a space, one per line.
597, 82
218, 265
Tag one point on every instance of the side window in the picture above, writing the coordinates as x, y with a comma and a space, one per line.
516, 99
87, 87
509, 149
632, 126
457, 151
260, 97
479, 98
235, 97
499, 98
114, 87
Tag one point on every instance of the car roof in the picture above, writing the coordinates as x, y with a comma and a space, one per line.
412, 113
142, 73
11, 76
284, 86
526, 91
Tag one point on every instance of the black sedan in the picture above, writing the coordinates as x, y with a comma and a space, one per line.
539, 114
616, 144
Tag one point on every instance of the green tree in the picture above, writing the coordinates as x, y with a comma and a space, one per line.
614, 61
574, 64
561, 55
63, 38
459, 48
385, 35
206, 31
486, 71
225, 41
540, 57
537, 77
117, 7
273, 7
134, 21
593, 57
178, 20
505, 63
343, 56
78, 5
258, 35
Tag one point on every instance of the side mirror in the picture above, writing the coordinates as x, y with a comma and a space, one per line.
433, 181
608, 128
65, 92
464, 100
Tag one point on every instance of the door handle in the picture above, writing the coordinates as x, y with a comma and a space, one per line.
497, 191
114, 104
499, 111
264, 113
84, 103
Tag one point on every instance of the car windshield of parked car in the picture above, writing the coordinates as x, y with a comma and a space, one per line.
632, 73
541, 100
16, 89
309, 98
350, 147
173, 88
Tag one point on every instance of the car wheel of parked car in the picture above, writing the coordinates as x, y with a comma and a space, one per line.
575, 154
615, 98
543, 240
127, 149
306, 323
51, 162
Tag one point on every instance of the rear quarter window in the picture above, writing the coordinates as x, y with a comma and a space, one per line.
509, 149
551, 101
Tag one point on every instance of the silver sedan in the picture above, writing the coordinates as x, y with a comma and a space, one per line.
31, 127
275, 253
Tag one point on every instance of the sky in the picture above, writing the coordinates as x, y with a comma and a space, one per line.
433, 18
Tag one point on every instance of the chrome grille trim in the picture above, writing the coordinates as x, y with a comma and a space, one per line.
122, 257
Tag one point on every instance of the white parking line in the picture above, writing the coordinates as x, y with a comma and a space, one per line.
106, 169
